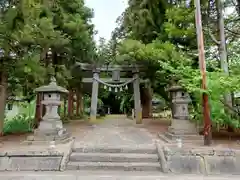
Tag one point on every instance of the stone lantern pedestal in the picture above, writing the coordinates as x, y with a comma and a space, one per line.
181, 127
51, 127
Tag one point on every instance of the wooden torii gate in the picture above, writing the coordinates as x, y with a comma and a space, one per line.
116, 82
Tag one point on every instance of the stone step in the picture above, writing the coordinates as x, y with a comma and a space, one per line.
135, 150
166, 137
185, 136
119, 166
113, 157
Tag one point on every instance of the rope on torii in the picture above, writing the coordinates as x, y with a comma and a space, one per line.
116, 86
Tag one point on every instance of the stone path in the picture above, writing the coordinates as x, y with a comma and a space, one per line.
106, 176
119, 131
115, 144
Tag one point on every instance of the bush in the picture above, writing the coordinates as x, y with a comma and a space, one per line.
19, 124
23, 122
218, 85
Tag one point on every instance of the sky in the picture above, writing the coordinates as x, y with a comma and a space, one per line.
105, 14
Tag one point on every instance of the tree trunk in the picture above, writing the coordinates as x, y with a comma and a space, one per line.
222, 48
81, 102
78, 104
238, 7
38, 112
3, 96
70, 104
65, 108
147, 102
42, 107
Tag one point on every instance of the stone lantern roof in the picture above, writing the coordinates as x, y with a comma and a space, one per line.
52, 87
175, 88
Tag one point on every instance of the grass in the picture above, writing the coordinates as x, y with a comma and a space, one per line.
18, 124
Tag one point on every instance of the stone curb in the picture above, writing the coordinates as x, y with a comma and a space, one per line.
199, 161
162, 158
48, 160
187, 151
32, 154
66, 156
30, 163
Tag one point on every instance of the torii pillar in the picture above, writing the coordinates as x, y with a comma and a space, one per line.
94, 97
137, 97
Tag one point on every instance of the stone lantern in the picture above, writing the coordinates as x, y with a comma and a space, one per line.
181, 127
180, 101
51, 127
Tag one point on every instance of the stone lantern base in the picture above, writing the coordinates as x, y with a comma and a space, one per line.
59, 136
183, 129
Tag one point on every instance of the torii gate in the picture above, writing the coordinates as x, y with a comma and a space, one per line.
115, 82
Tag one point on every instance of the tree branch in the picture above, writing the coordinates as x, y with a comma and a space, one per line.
231, 108
233, 32
213, 37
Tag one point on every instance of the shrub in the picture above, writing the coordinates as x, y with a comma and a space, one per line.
23, 122
19, 124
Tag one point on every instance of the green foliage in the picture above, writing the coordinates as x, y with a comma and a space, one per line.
158, 34
19, 124
23, 122
171, 65
161, 36
87, 103
218, 85
127, 101
143, 20
180, 26
30, 28
106, 52
40, 39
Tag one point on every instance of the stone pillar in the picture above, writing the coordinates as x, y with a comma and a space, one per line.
137, 98
181, 126
94, 98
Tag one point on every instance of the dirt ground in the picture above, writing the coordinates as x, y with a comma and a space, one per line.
79, 129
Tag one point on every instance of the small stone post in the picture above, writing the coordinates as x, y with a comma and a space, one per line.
133, 113
51, 127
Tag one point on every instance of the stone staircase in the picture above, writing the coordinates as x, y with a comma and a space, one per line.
114, 158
